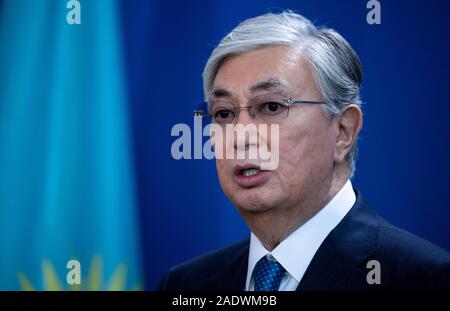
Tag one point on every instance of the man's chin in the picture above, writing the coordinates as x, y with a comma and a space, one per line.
254, 201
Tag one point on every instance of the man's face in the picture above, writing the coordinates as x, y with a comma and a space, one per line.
307, 137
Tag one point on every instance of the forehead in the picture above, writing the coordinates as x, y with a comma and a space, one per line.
247, 73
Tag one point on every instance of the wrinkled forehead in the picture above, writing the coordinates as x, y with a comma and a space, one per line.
270, 85
263, 70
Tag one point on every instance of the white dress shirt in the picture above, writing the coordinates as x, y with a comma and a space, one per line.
296, 251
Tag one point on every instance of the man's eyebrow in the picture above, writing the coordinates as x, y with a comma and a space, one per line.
265, 85
269, 84
219, 92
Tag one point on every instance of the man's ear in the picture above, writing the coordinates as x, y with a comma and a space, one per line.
350, 123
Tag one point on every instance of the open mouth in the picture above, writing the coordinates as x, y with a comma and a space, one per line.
250, 172
246, 170
250, 175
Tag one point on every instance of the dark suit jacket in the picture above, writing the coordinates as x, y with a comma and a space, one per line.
407, 262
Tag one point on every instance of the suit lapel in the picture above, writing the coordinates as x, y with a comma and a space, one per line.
233, 276
340, 262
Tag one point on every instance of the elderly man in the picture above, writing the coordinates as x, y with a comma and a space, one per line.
310, 230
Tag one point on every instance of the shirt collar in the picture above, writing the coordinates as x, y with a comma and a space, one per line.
296, 251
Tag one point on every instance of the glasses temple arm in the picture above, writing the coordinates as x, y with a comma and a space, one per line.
293, 101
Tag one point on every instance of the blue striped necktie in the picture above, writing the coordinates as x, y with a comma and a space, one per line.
268, 274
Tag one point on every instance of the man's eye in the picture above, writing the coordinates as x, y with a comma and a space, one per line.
223, 115
272, 107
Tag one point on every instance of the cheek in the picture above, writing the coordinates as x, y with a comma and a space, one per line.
223, 170
307, 147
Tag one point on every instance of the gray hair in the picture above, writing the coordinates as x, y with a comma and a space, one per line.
336, 68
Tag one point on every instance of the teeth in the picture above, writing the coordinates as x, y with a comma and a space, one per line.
250, 172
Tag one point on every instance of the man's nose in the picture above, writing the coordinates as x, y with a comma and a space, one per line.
245, 130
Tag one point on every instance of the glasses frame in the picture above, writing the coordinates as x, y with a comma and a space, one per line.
202, 112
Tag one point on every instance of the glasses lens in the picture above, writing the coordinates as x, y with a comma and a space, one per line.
270, 108
223, 112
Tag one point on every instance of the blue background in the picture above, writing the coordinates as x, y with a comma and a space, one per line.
181, 210
403, 164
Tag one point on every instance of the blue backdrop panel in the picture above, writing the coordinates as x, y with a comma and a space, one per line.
404, 152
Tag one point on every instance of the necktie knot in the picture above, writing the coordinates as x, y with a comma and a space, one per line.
267, 274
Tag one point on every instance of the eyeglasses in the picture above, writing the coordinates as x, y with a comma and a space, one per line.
271, 108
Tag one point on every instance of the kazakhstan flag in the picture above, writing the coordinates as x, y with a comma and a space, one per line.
66, 171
